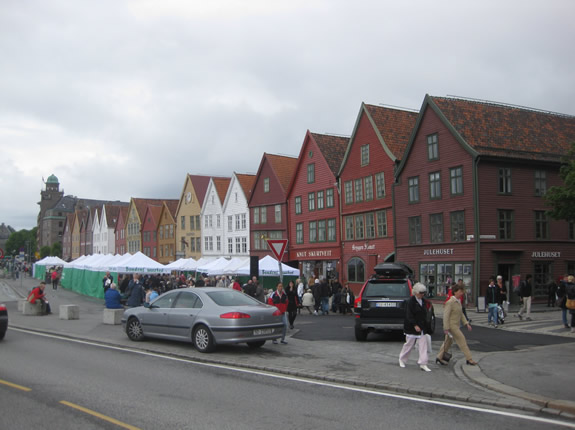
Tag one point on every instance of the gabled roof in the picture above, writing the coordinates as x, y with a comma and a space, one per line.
122, 214
172, 206
508, 131
112, 214
283, 167
221, 185
247, 183
142, 205
155, 210
200, 184
332, 148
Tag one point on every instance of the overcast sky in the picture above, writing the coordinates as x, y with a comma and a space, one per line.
122, 99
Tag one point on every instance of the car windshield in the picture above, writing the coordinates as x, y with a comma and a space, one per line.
232, 298
387, 289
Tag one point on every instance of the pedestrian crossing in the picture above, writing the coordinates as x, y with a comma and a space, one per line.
549, 323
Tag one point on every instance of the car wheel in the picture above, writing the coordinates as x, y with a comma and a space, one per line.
134, 330
203, 339
360, 334
2, 335
256, 344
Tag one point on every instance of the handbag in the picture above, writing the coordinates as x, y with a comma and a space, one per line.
561, 301
570, 304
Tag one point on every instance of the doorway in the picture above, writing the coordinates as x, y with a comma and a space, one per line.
507, 270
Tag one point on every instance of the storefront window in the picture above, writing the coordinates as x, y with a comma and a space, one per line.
437, 276
356, 270
541, 277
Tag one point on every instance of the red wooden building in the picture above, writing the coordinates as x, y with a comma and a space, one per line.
366, 176
313, 204
268, 203
468, 198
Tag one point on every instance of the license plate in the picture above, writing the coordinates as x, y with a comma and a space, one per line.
260, 331
385, 305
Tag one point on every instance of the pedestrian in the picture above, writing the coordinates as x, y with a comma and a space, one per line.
570, 293
55, 277
300, 292
492, 301
260, 293
38, 295
416, 328
112, 297
525, 294
308, 301
325, 293
452, 318
316, 290
106, 281
562, 299
551, 293
279, 299
293, 303
236, 285
502, 295
135, 293
250, 289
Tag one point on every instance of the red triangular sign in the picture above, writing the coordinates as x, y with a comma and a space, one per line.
278, 247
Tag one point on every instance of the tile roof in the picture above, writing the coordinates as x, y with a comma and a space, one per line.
172, 206
394, 126
112, 214
247, 183
508, 131
222, 185
284, 168
142, 205
332, 148
200, 184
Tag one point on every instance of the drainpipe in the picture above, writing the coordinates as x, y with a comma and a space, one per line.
476, 228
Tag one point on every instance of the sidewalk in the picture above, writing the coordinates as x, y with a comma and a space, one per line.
494, 382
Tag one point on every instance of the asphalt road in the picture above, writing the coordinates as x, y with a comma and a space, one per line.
341, 328
142, 390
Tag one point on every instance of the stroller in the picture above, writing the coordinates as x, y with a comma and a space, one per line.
501, 314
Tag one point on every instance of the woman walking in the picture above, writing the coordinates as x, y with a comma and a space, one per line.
452, 318
293, 303
416, 328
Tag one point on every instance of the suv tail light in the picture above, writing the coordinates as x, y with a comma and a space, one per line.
234, 315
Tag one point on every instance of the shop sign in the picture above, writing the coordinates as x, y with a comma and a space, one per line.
546, 254
438, 251
313, 254
364, 247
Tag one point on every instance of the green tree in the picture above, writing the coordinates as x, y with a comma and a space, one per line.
21, 241
45, 251
562, 198
56, 250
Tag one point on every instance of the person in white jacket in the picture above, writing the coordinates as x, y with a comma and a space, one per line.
308, 302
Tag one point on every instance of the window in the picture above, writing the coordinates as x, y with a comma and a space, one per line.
356, 270
298, 205
278, 214
541, 276
266, 185
380, 185
256, 215
358, 185
244, 221
329, 198
312, 231
505, 181
320, 200
183, 219
413, 187
381, 223
349, 228
244, 245
348, 192
230, 223
331, 231
505, 222
218, 243
456, 180
198, 225
238, 220
231, 245
321, 231
238, 245
541, 225
436, 227
359, 227
257, 240
368, 183
311, 202
540, 182
192, 227
264, 215
458, 226
299, 233
432, 147
370, 225
218, 221
414, 230
364, 155
435, 185
311, 173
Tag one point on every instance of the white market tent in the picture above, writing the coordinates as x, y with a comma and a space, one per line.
234, 264
181, 264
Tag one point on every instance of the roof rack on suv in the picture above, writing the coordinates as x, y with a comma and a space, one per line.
392, 270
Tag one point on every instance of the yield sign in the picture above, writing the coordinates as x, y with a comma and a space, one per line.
278, 247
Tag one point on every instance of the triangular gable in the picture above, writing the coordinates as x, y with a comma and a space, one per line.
282, 167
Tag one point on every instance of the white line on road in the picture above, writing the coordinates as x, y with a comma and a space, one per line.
307, 381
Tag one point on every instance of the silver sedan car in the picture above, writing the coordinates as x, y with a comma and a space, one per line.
206, 316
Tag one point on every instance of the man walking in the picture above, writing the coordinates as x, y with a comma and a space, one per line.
525, 292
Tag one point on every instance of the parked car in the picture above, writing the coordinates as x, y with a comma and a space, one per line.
207, 317
3, 321
380, 306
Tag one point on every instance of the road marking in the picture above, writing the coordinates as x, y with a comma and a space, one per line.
19, 387
99, 415
309, 381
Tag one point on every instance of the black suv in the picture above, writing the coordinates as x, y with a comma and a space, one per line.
380, 305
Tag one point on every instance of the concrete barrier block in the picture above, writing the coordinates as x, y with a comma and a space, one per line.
21, 305
113, 316
69, 312
32, 309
